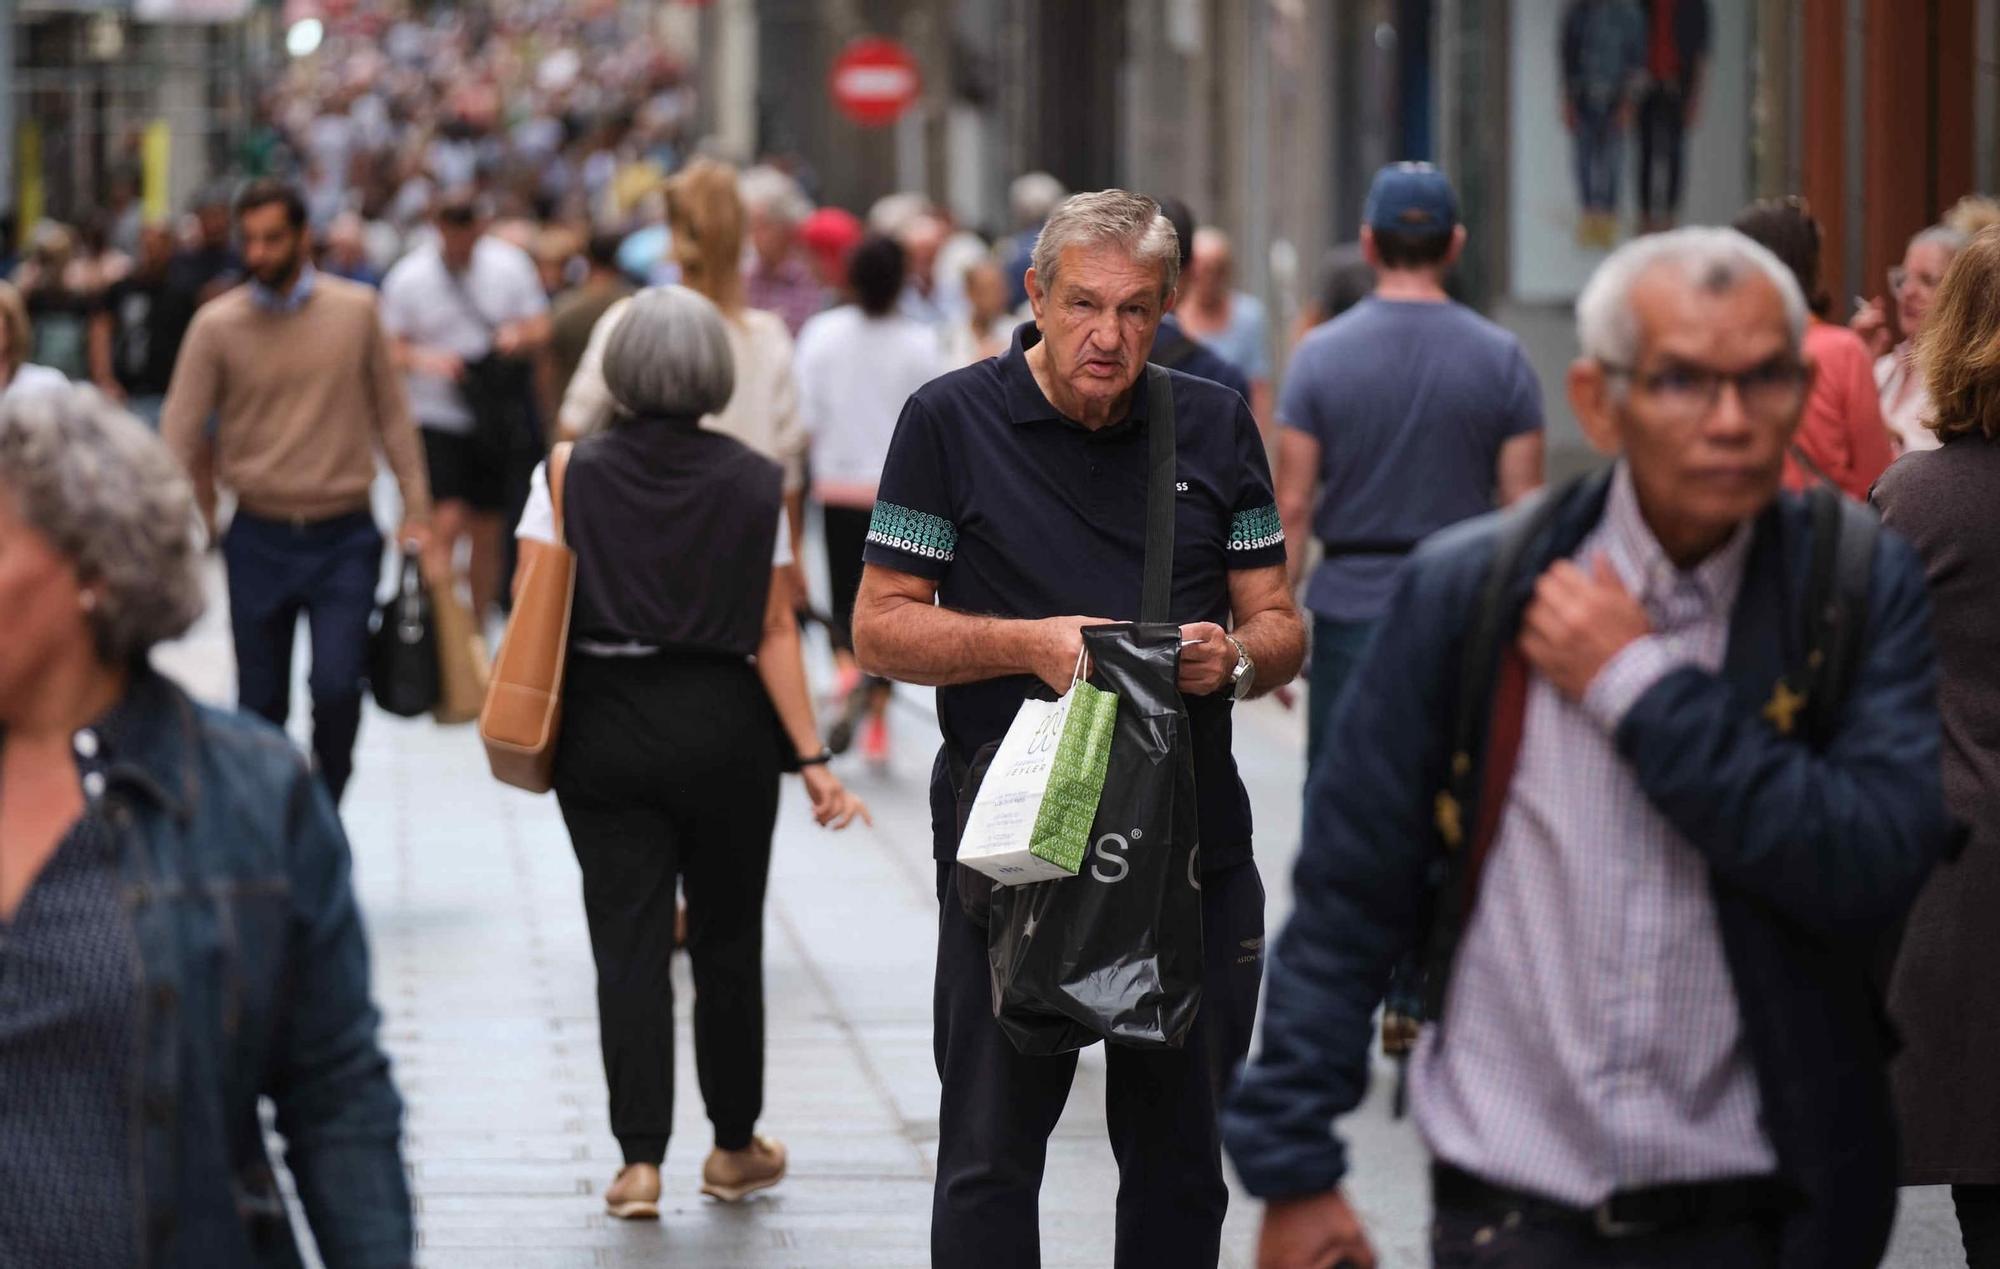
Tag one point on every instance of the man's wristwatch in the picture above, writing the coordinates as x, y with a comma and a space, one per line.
1245, 674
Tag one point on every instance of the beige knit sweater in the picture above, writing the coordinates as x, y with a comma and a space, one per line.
303, 399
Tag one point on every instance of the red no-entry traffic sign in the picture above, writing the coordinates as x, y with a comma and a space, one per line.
874, 81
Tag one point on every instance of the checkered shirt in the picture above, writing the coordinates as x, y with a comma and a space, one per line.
1591, 1039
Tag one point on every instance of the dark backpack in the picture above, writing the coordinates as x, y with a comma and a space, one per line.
1492, 694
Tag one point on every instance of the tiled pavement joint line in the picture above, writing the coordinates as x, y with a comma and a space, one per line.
851, 1035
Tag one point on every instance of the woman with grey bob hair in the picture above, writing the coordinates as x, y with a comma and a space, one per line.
684, 698
157, 857
1110, 216
111, 500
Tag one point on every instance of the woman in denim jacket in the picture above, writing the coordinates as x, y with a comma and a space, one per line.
178, 938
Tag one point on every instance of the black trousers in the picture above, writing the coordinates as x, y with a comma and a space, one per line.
667, 770
1978, 1224
327, 570
1488, 1240
1662, 150
998, 1106
846, 531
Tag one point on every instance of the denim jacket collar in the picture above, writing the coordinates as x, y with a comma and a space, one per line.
154, 754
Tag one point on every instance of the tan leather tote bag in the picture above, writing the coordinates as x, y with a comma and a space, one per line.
523, 710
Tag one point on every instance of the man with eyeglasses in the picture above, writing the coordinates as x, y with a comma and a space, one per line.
1654, 1039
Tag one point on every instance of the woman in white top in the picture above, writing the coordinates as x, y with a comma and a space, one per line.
19, 376
706, 219
1906, 402
857, 365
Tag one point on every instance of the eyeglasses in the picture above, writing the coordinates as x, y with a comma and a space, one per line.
1688, 393
1899, 277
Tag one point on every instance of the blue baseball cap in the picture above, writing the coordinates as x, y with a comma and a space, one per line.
1411, 198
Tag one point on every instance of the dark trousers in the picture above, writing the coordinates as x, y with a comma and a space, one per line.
846, 530
998, 1106
1978, 1224
1662, 150
1599, 153
1494, 1240
1336, 650
667, 769
326, 569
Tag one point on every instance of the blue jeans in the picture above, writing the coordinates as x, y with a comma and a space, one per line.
327, 570
1600, 154
1337, 648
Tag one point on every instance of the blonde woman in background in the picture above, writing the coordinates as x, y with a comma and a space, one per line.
706, 221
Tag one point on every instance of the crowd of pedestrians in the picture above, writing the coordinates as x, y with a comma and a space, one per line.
1654, 805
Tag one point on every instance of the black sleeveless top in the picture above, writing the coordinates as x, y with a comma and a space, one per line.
674, 529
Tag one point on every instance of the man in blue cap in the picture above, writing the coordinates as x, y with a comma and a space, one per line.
1405, 414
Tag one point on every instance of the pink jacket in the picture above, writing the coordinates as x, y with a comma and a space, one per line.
1842, 433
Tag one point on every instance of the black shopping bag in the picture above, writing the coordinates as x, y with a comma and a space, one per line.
1115, 952
403, 647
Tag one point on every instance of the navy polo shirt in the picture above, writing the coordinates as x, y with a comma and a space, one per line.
1015, 511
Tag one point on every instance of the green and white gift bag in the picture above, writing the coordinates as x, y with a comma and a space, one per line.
1031, 819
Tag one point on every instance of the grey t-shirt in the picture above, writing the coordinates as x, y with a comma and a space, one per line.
1410, 403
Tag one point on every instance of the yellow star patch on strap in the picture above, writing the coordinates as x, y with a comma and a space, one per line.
1783, 708
1449, 821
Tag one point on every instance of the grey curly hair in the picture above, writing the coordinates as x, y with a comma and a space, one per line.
108, 496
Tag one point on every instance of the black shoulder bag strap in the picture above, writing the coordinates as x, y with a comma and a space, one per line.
462, 293
1156, 597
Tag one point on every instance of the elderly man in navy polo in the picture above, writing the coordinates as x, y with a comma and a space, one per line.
1012, 502
1657, 1040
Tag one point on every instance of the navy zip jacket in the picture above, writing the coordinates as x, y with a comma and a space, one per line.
1812, 855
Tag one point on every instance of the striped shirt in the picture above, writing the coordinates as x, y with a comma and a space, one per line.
1592, 1041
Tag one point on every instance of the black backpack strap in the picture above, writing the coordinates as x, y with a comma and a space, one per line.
1417, 985
1836, 611
1156, 599
1522, 529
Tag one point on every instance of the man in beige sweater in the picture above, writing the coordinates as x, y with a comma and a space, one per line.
295, 370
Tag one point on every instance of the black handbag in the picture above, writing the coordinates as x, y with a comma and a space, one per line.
499, 393
403, 648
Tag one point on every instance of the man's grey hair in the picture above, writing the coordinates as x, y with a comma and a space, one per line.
1033, 197
104, 491
1713, 260
669, 356
1109, 217
772, 194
